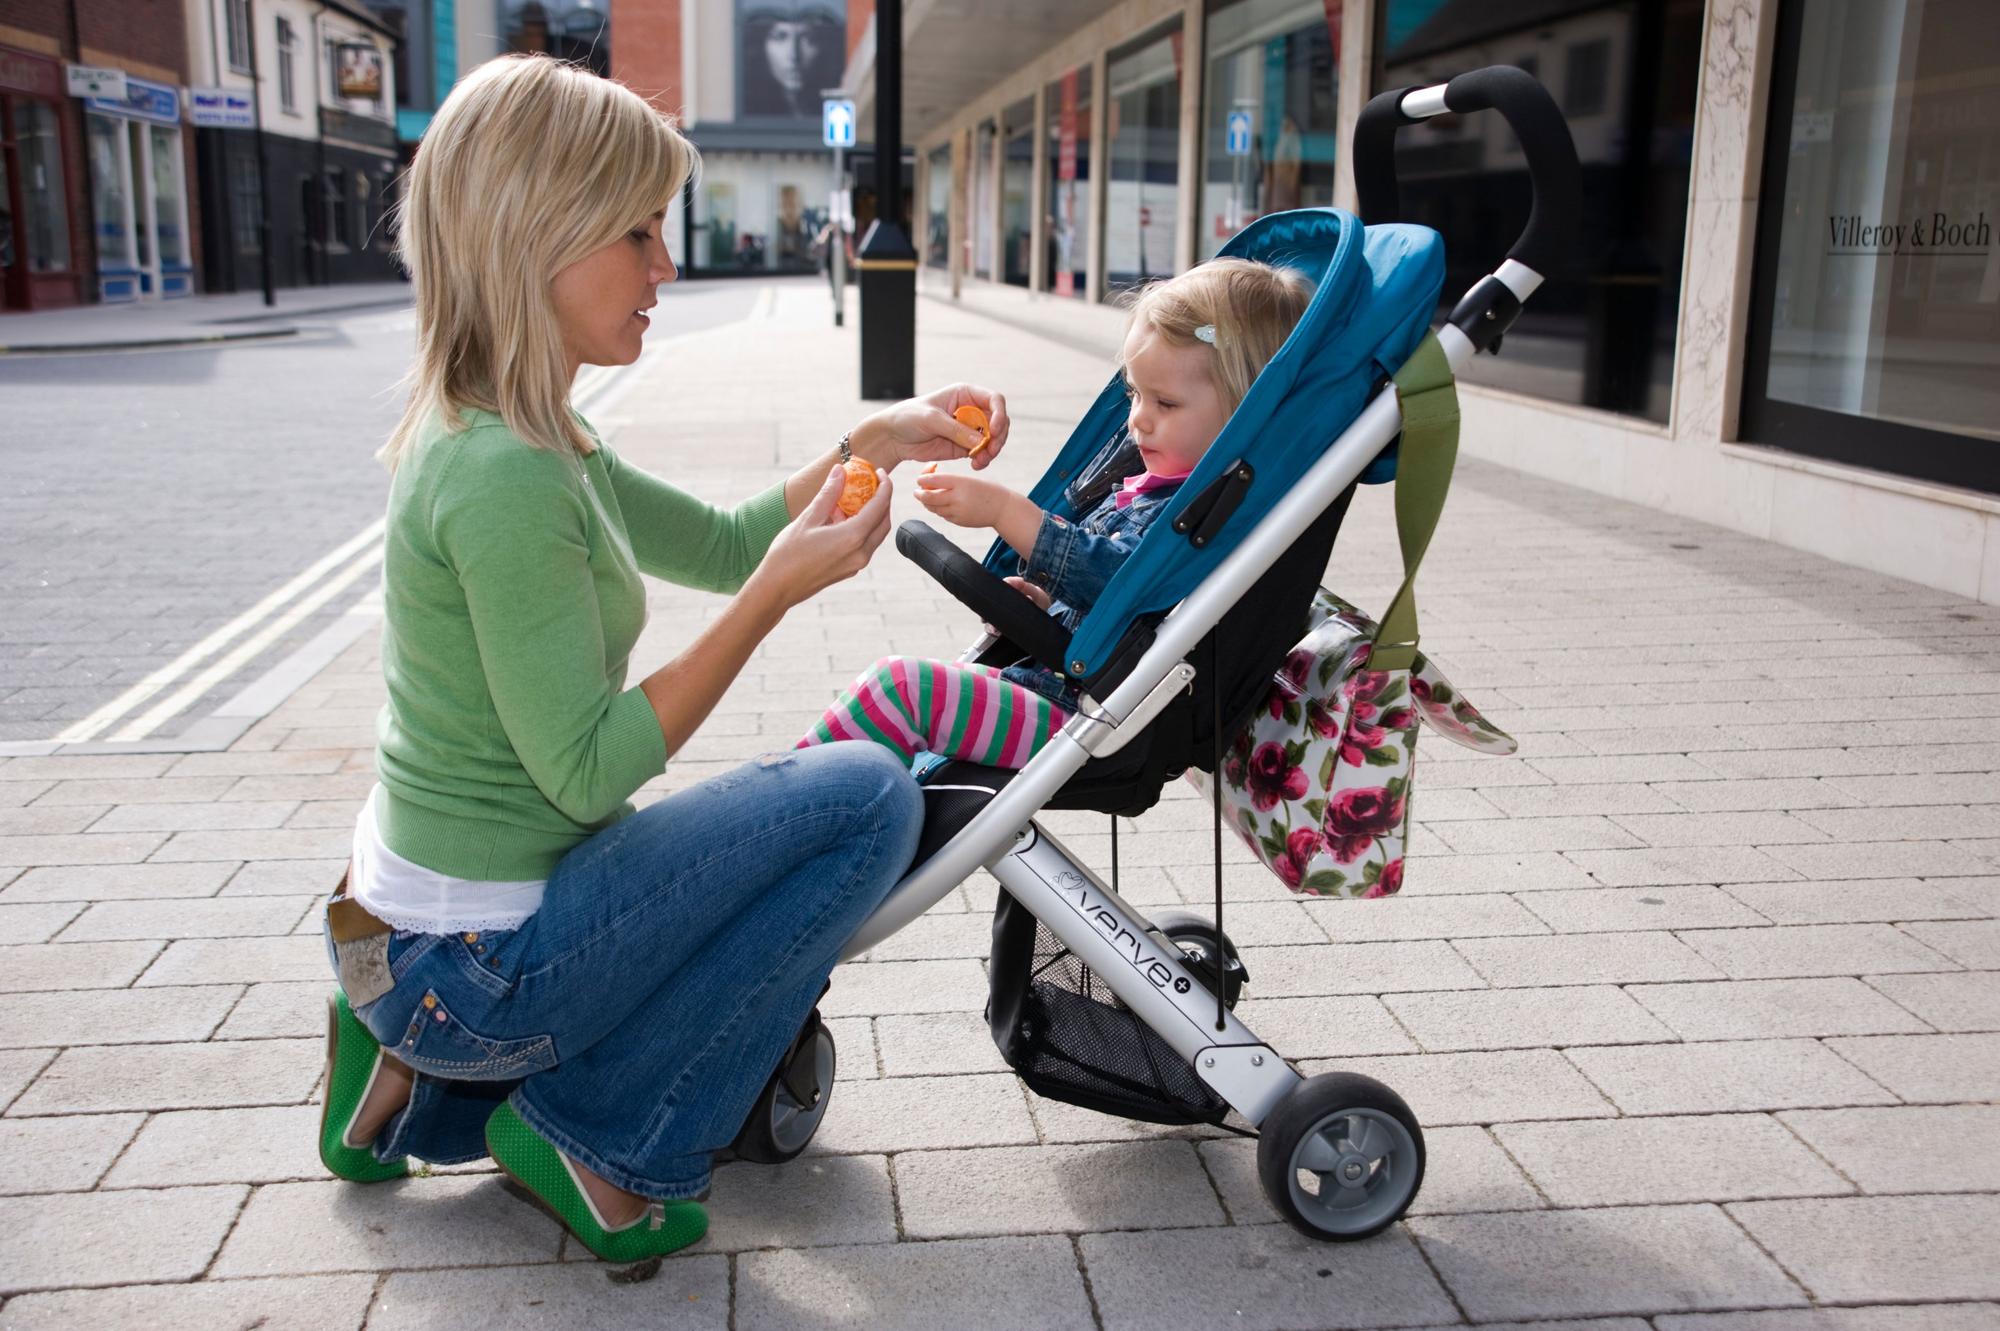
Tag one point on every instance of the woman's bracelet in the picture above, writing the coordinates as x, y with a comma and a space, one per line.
846, 453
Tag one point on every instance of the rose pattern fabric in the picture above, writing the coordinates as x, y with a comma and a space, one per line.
1319, 783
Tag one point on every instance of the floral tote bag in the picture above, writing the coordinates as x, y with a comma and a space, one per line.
1318, 784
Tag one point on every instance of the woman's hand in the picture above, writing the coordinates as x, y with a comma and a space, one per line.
921, 429
820, 547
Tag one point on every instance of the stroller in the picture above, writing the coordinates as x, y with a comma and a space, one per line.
1091, 1003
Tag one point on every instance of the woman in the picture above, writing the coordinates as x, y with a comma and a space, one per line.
528, 967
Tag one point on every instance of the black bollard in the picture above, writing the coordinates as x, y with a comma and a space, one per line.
887, 260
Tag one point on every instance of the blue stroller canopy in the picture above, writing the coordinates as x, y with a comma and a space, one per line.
1376, 290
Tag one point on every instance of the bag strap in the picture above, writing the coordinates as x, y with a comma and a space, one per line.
1429, 399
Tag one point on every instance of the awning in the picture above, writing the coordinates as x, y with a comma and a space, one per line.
954, 51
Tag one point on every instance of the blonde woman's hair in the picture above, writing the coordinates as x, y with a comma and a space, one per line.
1250, 308
529, 165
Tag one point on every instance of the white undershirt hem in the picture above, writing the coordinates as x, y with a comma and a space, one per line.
408, 896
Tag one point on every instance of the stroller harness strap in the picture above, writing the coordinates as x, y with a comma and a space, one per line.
1428, 396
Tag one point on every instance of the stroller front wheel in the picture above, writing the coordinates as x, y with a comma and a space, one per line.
793, 1102
1341, 1157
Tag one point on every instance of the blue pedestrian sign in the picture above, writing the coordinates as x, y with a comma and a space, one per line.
1239, 133
836, 122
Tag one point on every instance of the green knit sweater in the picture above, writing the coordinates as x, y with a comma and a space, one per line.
512, 600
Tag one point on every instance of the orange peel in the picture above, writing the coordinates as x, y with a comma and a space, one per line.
974, 419
859, 489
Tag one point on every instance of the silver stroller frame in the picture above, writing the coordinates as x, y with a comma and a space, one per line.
1350, 1144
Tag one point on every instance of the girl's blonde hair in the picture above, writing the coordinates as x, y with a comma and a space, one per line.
529, 165
1249, 309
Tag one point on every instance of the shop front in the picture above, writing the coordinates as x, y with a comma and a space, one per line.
38, 250
1270, 64
138, 190
1875, 320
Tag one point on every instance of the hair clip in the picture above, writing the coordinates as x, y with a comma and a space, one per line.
1206, 333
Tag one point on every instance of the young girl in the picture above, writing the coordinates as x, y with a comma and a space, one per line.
1194, 345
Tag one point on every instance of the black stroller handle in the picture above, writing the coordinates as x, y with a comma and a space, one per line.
1545, 139
1017, 619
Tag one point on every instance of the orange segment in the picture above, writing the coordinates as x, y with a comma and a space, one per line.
928, 470
974, 419
860, 487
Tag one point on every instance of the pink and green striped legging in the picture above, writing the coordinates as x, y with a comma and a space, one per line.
913, 705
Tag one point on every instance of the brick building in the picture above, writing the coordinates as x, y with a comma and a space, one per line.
94, 197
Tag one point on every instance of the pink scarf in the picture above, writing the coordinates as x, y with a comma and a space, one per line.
1134, 486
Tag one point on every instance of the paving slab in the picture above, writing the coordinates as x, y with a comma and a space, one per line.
38, 922
61, 1155
73, 965
936, 1043
1259, 1278
1923, 1317
124, 882
1725, 1076
241, 960
1481, 1087
1068, 1189
1579, 1263
1642, 1161
1814, 949
1928, 1068
1614, 909
1400, 917
1961, 1001
74, 1239
1594, 958
113, 1016
814, 1201
1773, 1009
968, 1283
924, 1113
217, 918
1911, 1148
411, 1224
1464, 1171
687, 1291
174, 1076
1324, 1027
1357, 968
1525, 1018
312, 1303
875, 988
1971, 943
1859, 900
1882, 1249
270, 1145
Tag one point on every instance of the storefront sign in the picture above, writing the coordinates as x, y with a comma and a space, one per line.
1066, 129
143, 100
20, 72
95, 81
220, 108
364, 132
360, 71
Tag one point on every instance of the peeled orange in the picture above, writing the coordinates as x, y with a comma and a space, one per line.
973, 418
860, 487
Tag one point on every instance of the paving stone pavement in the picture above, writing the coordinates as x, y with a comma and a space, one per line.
1696, 996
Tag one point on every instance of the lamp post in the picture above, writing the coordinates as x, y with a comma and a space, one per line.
887, 260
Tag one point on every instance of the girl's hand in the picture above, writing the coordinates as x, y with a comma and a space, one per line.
921, 429
964, 501
1028, 589
820, 547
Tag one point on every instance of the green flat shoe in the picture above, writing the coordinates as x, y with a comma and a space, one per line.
533, 1163
352, 1058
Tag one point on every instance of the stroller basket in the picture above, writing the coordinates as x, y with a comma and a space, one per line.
1069, 1037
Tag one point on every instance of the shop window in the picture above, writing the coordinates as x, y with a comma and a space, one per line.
1874, 332
985, 189
333, 194
1600, 333
1017, 174
1271, 60
246, 205
41, 165
167, 202
288, 44
1069, 183
937, 208
111, 193
1585, 70
1142, 204
236, 27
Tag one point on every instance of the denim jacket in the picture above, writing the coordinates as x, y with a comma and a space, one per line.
1074, 561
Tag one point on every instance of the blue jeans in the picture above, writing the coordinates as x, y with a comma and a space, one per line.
635, 1018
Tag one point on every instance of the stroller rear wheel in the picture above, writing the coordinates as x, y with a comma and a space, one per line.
1341, 1157
792, 1104
1201, 943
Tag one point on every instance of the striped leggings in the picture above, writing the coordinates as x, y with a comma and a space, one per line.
913, 705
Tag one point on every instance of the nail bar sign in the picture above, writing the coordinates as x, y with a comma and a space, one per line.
1938, 236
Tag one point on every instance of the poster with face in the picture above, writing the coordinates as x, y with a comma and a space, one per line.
788, 53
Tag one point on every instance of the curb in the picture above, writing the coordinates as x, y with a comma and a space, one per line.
141, 344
